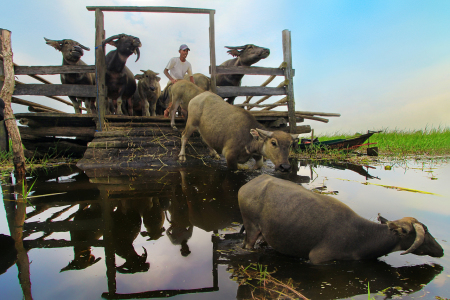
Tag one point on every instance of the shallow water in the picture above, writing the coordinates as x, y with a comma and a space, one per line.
175, 232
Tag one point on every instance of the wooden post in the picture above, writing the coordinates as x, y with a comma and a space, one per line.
100, 68
287, 57
6, 93
212, 51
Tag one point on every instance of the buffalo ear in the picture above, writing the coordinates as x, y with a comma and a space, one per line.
138, 76
234, 52
255, 134
112, 43
158, 78
382, 220
397, 229
55, 44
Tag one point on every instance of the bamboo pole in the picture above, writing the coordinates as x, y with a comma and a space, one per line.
281, 101
282, 84
287, 57
6, 94
32, 104
269, 80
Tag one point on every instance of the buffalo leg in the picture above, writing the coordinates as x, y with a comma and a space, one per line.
76, 104
119, 106
231, 158
186, 134
252, 234
231, 100
172, 115
259, 161
146, 108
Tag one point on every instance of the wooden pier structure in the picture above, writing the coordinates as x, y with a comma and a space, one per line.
119, 141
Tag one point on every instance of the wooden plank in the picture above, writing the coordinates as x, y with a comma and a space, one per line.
62, 226
261, 105
156, 9
58, 131
45, 70
212, 53
287, 57
250, 71
100, 69
56, 90
298, 129
55, 119
60, 243
229, 91
30, 103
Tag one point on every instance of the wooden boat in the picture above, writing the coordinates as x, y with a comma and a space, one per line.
340, 144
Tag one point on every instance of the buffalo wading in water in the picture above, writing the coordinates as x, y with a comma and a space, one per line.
147, 93
72, 52
298, 222
120, 82
235, 133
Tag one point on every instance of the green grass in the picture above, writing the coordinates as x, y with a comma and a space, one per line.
428, 142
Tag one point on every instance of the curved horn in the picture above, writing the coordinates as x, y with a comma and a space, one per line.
83, 47
420, 237
110, 39
144, 256
237, 47
265, 132
138, 53
48, 41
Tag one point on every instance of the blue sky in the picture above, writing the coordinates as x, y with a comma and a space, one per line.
381, 64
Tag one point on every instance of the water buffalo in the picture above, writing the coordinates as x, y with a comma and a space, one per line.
299, 222
235, 133
72, 52
120, 81
245, 56
147, 93
181, 93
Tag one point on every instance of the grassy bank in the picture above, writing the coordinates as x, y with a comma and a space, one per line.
394, 143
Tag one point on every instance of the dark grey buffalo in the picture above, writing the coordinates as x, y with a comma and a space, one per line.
120, 82
72, 51
245, 56
298, 222
147, 93
235, 133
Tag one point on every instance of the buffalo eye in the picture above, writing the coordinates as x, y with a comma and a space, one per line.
404, 231
274, 143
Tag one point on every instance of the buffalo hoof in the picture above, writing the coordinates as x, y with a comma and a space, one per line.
182, 158
174, 128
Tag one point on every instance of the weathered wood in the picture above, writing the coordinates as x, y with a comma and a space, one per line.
5, 94
228, 91
286, 114
4, 139
45, 70
30, 244
298, 129
282, 84
62, 226
250, 71
259, 105
55, 147
58, 131
30, 103
55, 119
289, 75
281, 101
212, 53
269, 80
56, 90
53, 97
38, 109
100, 69
157, 9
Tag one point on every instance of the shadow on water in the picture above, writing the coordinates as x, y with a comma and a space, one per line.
112, 209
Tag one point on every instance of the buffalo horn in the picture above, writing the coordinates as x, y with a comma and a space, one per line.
110, 39
265, 132
138, 53
237, 47
49, 41
420, 237
84, 47
144, 255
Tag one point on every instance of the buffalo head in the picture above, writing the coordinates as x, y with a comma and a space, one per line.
249, 54
71, 50
125, 44
414, 235
149, 77
275, 146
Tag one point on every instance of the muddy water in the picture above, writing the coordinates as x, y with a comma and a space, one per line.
175, 232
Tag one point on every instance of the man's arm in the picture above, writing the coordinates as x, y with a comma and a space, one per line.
166, 72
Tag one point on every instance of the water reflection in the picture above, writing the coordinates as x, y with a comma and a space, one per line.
129, 213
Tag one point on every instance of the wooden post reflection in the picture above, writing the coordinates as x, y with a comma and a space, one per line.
110, 258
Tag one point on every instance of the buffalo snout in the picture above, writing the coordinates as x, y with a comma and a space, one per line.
283, 167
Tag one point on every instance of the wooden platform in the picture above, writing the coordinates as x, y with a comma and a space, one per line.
127, 141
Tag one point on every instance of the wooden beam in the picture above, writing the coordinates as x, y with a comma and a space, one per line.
55, 90
100, 69
289, 75
46, 70
282, 84
260, 105
269, 80
281, 101
250, 71
155, 9
30, 103
58, 131
228, 91
212, 53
